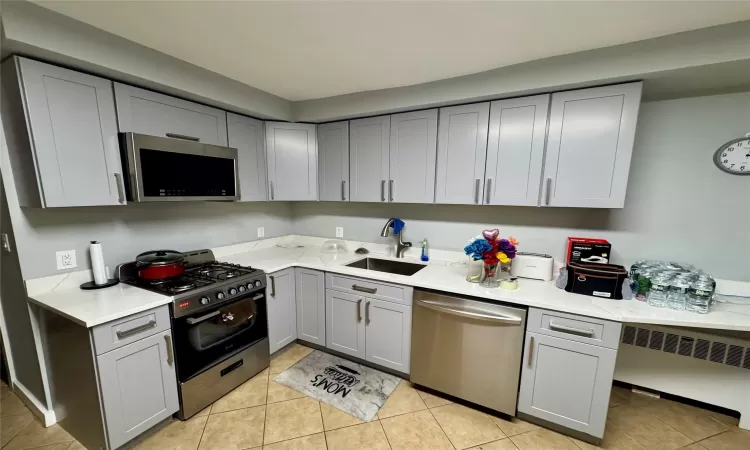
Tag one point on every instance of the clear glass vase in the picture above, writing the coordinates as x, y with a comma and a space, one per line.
474, 273
490, 275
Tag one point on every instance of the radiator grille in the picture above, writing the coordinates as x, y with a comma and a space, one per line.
686, 345
657, 340
642, 337
734, 355
670, 346
717, 352
701, 349
689, 346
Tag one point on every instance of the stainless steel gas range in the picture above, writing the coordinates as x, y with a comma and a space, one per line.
219, 324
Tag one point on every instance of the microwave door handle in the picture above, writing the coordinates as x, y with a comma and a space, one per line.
183, 137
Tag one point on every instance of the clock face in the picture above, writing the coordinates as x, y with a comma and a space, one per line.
734, 157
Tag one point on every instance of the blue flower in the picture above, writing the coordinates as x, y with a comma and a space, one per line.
478, 248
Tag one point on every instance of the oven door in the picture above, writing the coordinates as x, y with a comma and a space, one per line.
170, 169
211, 335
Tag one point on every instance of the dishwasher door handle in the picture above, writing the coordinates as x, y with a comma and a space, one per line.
440, 307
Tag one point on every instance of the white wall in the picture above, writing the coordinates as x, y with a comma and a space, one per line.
679, 206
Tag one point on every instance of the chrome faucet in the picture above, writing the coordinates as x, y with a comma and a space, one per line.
401, 246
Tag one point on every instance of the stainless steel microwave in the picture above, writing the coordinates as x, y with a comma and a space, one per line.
172, 169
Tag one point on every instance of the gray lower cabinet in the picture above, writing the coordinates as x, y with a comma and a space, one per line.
292, 154
139, 387
345, 326
388, 334
61, 128
310, 286
282, 310
246, 135
147, 112
566, 382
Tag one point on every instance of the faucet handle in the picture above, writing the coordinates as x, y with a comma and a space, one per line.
407, 244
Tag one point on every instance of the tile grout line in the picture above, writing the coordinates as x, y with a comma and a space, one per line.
323, 425
441, 428
384, 434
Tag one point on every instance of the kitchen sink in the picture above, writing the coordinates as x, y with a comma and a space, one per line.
387, 265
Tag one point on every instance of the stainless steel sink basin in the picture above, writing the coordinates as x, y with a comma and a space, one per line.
387, 265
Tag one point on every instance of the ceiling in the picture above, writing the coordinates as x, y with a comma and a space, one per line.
312, 49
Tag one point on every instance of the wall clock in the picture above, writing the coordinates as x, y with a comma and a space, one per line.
734, 156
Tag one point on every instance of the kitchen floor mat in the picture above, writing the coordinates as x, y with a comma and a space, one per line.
356, 389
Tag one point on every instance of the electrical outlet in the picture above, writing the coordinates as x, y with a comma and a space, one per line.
261, 231
339, 231
66, 259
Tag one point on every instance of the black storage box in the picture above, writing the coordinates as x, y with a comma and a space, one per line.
598, 280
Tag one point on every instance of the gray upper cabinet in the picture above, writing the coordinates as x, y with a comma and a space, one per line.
462, 150
146, 112
138, 387
246, 135
333, 161
590, 141
413, 151
566, 382
62, 136
515, 151
292, 151
369, 159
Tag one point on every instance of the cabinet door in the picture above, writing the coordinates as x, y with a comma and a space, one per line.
74, 131
311, 305
566, 382
282, 309
246, 135
462, 150
147, 112
515, 151
369, 159
333, 161
345, 326
590, 141
292, 161
388, 337
138, 386
413, 154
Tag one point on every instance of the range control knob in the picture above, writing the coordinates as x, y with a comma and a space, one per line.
232, 291
250, 285
204, 300
220, 296
257, 283
241, 288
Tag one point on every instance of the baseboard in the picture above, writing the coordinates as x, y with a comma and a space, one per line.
46, 416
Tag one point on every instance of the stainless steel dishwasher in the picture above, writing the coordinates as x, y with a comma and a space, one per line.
468, 348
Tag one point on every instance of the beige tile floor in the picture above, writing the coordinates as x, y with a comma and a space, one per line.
262, 414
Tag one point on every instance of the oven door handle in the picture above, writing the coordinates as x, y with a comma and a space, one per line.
194, 320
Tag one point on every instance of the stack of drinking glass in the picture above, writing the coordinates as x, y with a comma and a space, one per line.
671, 285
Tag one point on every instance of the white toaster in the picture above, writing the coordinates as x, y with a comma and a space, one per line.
532, 265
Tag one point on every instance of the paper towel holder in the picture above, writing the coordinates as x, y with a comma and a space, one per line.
89, 285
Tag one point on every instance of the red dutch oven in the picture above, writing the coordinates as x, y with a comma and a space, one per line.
160, 264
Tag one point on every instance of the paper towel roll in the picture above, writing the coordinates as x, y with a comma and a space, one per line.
97, 263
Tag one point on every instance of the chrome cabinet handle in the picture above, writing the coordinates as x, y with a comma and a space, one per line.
382, 190
489, 190
549, 188
184, 137
170, 351
273, 285
272, 196
359, 310
530, 359
136, 330
364, 289
367, 313
120, 188
476, 191
343, 189
390, 189
570, 330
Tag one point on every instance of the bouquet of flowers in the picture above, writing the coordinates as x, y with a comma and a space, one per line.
492, 250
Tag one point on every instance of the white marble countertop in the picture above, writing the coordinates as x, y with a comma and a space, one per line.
61, 294
445, 272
